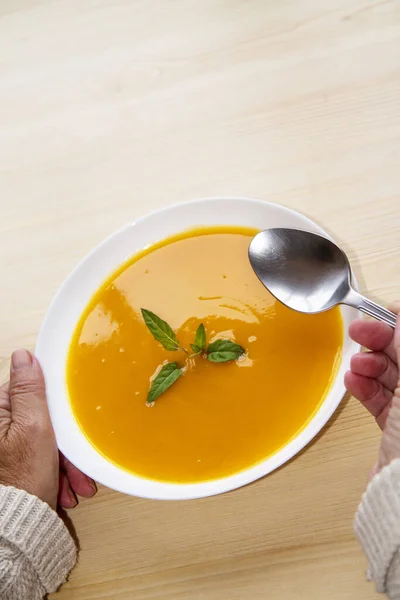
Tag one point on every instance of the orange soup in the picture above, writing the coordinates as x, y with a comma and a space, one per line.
216, 419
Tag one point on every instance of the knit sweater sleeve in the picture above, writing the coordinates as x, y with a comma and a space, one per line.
377, 526
36, 550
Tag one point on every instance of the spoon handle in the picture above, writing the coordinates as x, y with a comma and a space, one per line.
371, 308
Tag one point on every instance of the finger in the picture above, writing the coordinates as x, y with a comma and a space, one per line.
374, 335
396, 341
66, 497
372, 394
395, 307
376, 365
80, 483
27, 389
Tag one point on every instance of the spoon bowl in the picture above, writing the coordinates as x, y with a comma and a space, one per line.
308, 273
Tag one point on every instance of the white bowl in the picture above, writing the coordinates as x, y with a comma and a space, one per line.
73, 296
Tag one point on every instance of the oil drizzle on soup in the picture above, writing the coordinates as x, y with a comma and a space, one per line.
217, 419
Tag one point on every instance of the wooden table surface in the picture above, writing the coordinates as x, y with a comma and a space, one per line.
112, 108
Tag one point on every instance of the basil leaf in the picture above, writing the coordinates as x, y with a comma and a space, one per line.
200, 340
195, 348
224, 351
166, 377
160, 330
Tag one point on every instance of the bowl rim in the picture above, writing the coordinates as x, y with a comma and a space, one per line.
140, 486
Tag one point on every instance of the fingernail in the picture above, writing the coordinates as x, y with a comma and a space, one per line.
73, 499
94, 487
21, 359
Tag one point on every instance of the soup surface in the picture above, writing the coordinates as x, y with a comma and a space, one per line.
217, 419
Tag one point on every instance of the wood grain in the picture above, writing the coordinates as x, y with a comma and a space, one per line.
112, 108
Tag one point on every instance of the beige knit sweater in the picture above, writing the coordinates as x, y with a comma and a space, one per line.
36, 550
377, 525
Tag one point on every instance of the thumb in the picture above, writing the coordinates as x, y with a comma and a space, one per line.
27, 389
390, 445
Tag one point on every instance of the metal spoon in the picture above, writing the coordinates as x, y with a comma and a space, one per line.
308, 273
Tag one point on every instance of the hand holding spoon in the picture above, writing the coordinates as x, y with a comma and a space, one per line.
308, 273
